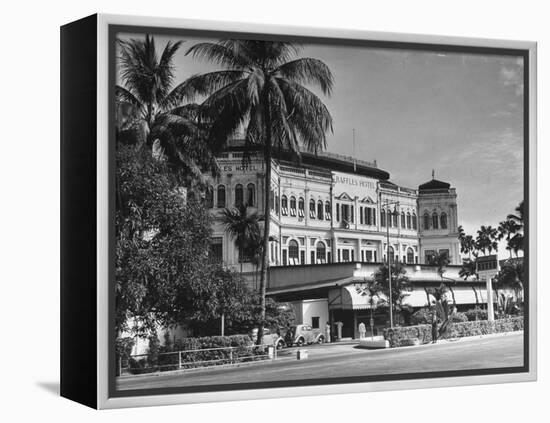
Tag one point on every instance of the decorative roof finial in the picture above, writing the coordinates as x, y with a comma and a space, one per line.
433, 174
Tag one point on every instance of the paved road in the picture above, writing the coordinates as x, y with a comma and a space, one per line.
332, 360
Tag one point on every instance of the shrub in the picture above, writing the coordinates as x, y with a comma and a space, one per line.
123, 349
191, 358
476, 314
421, 317
458, 317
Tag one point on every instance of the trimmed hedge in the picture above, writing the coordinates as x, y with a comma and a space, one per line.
405, 336
163, 360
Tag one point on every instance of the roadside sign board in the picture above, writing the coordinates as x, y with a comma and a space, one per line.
487, 264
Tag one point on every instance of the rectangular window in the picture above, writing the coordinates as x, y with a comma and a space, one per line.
361, 215
302, 257
352, 255
352, 216
338, 255
312, 257
338, 212
369, 256
428, 254
345, 255
329, 257
216, 250
315, 322
285, 252
375, 256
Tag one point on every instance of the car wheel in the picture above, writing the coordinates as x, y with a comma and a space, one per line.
321, 340
300, 342
280, 345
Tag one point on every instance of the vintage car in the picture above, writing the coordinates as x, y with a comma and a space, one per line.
303, 335
271, 337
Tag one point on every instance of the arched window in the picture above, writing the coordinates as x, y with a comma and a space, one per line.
408, 220
238, 195
301, 207
284, 205
414, 222
327, 210
426, 221
209, 197
312, 208
250, 195
410, 255
435, 221
403, 219
293, 252
320, 210
293, 206
443, 219
389, 218
394, 218
321, 252
383, 218
221, 196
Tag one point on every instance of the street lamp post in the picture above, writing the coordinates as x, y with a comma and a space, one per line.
387, 204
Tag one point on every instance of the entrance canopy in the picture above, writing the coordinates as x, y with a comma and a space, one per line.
348, 298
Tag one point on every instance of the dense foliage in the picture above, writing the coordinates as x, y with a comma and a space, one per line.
163, 274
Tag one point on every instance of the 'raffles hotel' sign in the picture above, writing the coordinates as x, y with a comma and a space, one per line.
354, 182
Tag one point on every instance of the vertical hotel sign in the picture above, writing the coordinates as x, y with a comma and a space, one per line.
354, 186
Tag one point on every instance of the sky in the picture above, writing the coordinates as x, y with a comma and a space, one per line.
458, 114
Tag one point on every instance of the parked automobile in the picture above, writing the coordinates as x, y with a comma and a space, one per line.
270, 338
303, 335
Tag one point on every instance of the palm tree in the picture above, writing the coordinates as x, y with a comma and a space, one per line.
243, 226
442, 261
516, 242
149, 112
373, 289
261, 87
486, 240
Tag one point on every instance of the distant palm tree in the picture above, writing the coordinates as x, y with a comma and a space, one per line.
516, 242
149, 112
261, 87
506, 230
486, 240
243, 227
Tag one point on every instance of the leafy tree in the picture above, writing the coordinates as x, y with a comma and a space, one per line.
149, 112
261, 87
511, 275
162, 272
373, 289
400, 285
243, 227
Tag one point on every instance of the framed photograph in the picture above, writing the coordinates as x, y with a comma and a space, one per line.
255, 211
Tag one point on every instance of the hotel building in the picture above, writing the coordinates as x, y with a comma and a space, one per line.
331, 219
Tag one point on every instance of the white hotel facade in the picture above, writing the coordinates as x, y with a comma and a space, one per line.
331, 217
335, 209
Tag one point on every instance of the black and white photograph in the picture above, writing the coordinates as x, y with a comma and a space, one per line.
292, 211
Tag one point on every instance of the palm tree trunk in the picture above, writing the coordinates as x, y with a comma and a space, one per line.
267, 216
